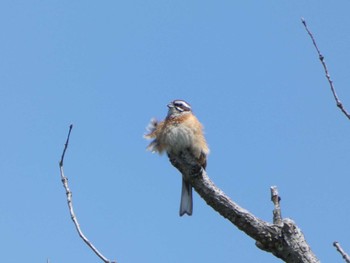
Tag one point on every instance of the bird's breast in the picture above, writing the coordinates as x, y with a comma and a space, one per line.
178, 137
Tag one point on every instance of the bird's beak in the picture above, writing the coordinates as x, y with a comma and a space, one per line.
170, 105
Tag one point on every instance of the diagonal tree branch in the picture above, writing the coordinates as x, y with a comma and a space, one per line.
330, 81
64, 180
342, 252
284, 240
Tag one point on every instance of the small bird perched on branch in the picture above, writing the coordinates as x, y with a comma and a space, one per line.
180, 131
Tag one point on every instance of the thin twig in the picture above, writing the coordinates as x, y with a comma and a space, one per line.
342, 252
275, 198
330, 81
66, 146
70, 203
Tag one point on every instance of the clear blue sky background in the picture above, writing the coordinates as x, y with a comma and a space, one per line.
254, 80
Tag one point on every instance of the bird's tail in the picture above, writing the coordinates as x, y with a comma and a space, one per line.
186, 205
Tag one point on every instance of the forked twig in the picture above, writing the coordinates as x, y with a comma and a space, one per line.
64, 180
342, 252
330, 81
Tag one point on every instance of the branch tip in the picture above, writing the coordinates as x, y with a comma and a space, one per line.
64, 180
341, 251
275, 198
66, 145
330, 81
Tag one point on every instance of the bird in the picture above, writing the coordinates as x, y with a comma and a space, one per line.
180, 130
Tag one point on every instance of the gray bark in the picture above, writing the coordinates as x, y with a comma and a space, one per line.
283, 239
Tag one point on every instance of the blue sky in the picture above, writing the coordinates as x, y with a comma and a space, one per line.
254, 80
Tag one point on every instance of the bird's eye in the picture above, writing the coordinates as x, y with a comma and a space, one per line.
178, 103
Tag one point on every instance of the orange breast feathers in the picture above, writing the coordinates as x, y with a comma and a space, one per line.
174, 135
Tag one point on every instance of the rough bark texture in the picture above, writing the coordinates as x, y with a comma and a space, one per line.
285, 241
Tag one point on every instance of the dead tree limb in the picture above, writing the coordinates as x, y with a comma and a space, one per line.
64, 180
284, 240
275, 198
342, 252
330, 81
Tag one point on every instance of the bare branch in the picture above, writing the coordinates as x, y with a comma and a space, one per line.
65, 146
342, 252
275, 198
330, 81
70, 203
285, 241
